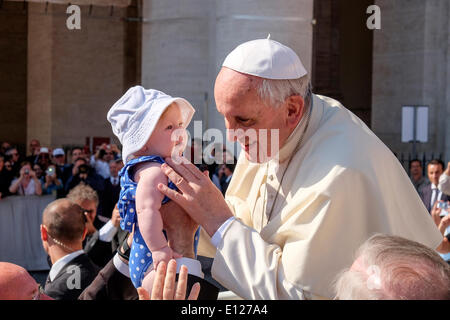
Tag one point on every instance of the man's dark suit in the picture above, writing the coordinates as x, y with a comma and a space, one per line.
100, 252
58, 288
426, 192
108, 198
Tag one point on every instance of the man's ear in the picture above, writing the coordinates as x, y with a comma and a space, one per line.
295, 108
44, 234
84, 234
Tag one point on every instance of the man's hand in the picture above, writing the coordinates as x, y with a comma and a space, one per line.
444, 224
435, 213
89, 223
199, 197
444, 247
180, 229
114, 148
447, 171
115, 217
75, 169
33, 174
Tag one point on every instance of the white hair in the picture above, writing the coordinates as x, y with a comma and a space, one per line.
277, 91
407, 270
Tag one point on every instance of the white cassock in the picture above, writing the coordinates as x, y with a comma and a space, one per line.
342, 186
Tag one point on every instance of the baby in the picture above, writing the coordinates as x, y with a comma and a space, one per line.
151, 126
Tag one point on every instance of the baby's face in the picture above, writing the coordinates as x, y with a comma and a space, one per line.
169, 137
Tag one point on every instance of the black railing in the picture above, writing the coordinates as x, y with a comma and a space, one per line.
424, 158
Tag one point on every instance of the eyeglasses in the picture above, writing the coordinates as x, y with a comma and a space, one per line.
39, 291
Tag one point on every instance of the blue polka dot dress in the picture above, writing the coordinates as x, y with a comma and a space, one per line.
140, 255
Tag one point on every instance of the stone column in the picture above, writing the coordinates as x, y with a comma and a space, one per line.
74, 76
287, 21
175, 49
13, 73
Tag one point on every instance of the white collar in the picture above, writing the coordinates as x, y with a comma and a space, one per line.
61, 262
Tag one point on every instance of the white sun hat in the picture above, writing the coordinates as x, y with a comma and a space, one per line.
135, 115
267, 59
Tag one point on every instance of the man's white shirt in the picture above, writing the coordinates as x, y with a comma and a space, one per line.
61, 262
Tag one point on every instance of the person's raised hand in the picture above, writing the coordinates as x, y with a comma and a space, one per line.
33, 174
165, 287
89, 223
444, 224
447, 170
115, 217
435, 213
198, 195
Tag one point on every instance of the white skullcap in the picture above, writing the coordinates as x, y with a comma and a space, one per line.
135, 115
267, 59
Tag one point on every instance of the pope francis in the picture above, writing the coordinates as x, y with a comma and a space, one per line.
291, 221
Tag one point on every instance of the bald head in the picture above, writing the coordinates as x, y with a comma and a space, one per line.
64, 221
16, 283
389, 267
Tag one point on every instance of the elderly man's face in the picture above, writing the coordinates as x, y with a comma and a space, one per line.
239, 103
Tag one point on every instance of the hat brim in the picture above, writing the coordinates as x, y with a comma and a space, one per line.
149, 122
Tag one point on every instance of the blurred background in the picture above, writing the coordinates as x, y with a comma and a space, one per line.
56, 84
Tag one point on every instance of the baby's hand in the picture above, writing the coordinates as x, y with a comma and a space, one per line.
163, 254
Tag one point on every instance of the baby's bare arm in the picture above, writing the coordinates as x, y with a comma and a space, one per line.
148, 202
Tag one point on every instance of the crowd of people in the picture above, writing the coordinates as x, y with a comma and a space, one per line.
88, 185
434, 191
47, 171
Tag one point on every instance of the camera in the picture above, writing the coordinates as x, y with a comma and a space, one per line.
27, 171
442, 205
50, 171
